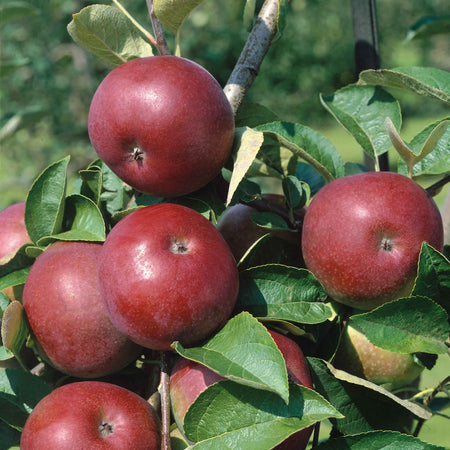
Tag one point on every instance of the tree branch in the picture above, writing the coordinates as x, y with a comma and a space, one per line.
253, 53
161, 43
165, 403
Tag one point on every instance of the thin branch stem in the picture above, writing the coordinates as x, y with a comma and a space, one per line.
161, 43
253, 53
165, 403
135, 23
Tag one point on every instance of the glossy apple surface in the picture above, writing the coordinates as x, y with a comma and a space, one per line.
362, 236
241, 232
167, 275
67, 314
13, 233
189, 379
91, 415
358, 356
162, 124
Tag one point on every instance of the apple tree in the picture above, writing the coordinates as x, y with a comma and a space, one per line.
170, 272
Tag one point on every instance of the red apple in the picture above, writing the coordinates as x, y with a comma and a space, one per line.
91, 415
162, 124
67, 315
13, 233
189, 379
358, 356
241, 232
362, 236
167, 275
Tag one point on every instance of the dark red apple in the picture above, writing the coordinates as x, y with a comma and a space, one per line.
362, 236
189, 379
358, 356
162, 124
67, 314
13, 233
241, 232
167, 275
91, 415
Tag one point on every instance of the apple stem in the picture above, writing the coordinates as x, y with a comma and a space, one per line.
165, 403
315, 440
253, 53
435, 188
161, 43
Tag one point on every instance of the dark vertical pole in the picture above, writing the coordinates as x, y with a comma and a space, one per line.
367, 54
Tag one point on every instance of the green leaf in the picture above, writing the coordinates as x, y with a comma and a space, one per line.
19, 261
436, 162
366, 406
14, 278
172, 13
107, 33
236, 352
297, 192
429, 26
44, 208
427, 81
14, 329
271, 221
85, 219
247, 144
20, 392
362, 110
92, 181
307, 144
406, 325
281, 292
15, 10
229, 415
380, 440
253, 114
433, 278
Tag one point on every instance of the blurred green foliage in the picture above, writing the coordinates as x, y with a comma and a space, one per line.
47, 81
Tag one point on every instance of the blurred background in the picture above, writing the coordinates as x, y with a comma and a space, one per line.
47, 81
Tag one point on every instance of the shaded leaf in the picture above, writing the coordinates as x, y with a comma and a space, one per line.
275, 291
107, 33
253, 114
362, 110
271, 221
229, 415
15, 10
14, 329
236, 352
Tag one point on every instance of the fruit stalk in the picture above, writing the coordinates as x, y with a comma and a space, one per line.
253, 53
161, 43
163, 389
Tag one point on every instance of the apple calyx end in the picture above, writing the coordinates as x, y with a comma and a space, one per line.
137, 154
386, 244
106, 429
178, 247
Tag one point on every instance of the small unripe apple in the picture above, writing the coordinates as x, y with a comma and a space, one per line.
91, 415
13, 233
241, 232
358, 356
166, 275
362, 236
446, 219
162, 124
189, 379
67, 314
